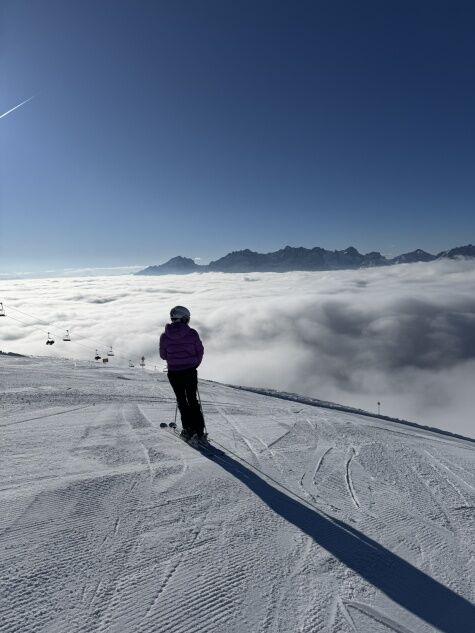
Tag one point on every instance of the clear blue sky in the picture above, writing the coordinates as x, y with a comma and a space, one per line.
196, 127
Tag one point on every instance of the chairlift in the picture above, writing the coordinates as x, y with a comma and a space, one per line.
66, 337
142, 362
105, 360
131, 364
97, 356
110, 352
49, 340
2, 310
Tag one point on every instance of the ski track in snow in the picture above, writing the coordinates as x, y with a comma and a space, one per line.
110, 524
349, 481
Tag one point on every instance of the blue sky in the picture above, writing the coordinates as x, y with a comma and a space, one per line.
203, 126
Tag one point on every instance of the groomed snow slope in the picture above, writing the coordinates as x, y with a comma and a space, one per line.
317, 521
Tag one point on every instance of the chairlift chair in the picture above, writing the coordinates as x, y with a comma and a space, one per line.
131, 364
97, 356
49, 340
66, 337
2, 310
110, 352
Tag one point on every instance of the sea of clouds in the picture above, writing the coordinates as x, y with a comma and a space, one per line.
402, 335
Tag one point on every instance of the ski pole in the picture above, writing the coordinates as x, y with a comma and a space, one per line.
176, 409
201, 407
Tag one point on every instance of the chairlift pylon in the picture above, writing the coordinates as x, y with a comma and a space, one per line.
2, 310
66, 337
110, 352
49, 340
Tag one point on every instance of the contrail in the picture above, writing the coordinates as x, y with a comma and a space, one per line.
16, 107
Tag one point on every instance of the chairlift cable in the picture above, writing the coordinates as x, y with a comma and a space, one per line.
54, 331
32, 316
84, 338
37, 329
48, 332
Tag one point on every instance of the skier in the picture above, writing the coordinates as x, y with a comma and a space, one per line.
181, 347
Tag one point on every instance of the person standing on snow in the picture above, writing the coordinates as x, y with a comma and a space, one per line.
181, 347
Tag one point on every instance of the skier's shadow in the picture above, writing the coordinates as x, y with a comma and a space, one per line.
406, 585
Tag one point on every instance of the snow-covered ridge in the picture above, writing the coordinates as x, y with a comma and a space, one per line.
315, 402
317, 520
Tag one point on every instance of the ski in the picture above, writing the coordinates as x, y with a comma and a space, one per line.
206, 447
203, 447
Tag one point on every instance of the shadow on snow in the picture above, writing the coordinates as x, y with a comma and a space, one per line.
406, 585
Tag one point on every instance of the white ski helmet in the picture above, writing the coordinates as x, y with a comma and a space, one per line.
180, 313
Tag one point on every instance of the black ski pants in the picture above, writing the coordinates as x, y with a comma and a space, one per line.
185, 384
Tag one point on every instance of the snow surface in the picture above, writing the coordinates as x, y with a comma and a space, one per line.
316, 520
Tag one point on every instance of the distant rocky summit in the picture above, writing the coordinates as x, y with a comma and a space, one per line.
175, 266
412, 257
293, 258
460, 251
290, 258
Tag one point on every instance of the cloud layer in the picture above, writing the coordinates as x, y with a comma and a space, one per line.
403, 335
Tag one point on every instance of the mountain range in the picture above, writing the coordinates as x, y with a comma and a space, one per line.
298, 258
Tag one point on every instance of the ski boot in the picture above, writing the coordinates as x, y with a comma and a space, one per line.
194, 441
203, 441
185, 435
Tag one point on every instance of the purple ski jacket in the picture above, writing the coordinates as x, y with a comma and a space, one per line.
181, 346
